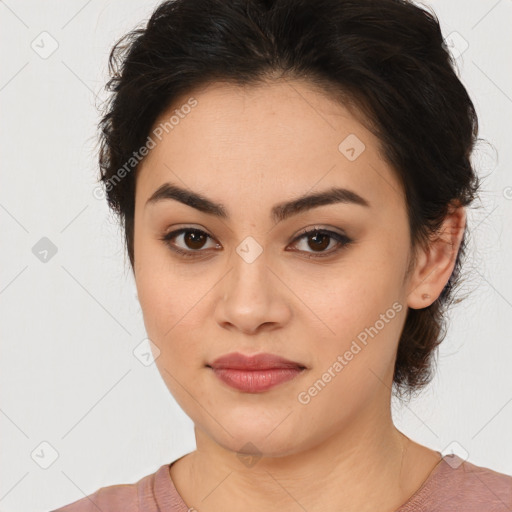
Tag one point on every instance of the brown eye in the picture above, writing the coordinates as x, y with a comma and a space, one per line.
320, 239
193, 240
317, 241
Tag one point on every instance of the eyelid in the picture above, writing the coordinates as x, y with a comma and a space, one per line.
166, 238
314, 229
341, 238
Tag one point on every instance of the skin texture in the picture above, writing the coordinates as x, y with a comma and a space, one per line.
249, 149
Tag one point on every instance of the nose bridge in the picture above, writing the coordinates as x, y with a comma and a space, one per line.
250, 271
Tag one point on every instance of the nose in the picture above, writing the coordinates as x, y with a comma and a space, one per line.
252, 297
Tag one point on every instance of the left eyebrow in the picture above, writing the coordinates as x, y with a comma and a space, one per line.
279, 212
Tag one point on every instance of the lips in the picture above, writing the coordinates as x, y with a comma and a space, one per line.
238, 361
255, 374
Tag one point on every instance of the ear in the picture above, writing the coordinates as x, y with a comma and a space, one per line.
435, 263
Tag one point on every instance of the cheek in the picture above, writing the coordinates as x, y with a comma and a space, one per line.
358, 297
365, 315
159, 288
172, 305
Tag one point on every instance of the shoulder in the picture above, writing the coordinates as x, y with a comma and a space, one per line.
126, 497
479, 487
114, 497
460, 485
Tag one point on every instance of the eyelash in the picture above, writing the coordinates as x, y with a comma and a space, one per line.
343, 240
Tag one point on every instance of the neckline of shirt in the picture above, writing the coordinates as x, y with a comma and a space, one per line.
166, 492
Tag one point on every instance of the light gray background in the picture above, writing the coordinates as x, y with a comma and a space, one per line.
69, 326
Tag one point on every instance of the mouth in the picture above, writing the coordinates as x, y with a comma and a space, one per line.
255, 374
238, 361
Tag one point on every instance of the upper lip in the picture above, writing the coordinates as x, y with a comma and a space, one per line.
238, 361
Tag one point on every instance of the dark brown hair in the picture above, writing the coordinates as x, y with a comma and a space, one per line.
386, 57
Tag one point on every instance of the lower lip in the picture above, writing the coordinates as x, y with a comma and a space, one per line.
255, 381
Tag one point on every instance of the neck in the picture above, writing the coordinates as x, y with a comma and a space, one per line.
367, 466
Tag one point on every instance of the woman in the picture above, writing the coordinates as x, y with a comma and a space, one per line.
292, 178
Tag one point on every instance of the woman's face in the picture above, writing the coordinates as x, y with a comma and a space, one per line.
253, 283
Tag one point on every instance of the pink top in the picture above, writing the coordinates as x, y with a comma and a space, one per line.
453, 485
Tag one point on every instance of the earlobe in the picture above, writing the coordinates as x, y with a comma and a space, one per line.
435, 263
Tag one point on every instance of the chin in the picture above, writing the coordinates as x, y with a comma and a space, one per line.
256, 439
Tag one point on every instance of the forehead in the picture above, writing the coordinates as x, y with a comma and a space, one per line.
284, 137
